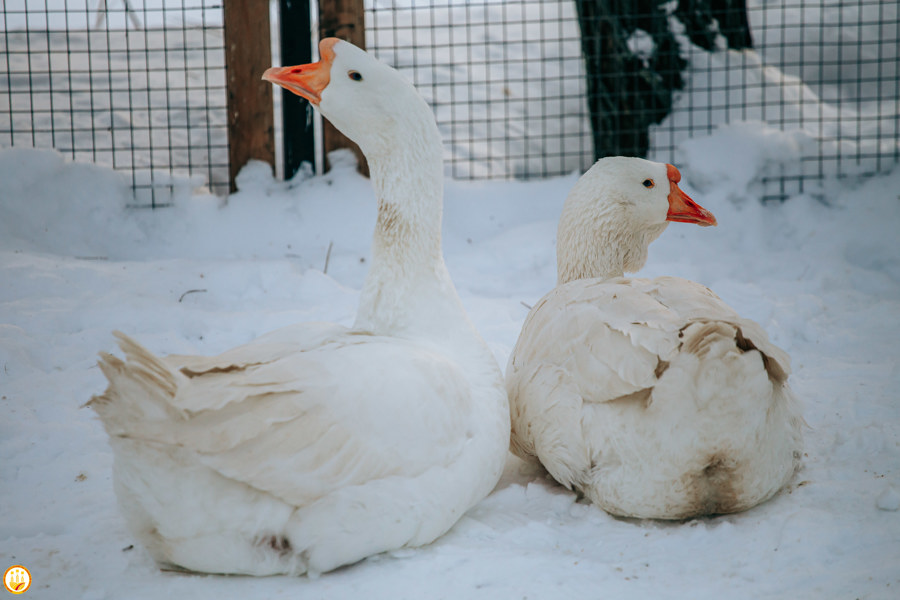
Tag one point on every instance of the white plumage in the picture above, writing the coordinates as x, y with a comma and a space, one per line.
317, 445
653, 398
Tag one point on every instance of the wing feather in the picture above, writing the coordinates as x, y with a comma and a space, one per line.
649, 313
325, 409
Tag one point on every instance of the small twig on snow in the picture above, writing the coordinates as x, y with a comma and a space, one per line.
328, 257
190, 292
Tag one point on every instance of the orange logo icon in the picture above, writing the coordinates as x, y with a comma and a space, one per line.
17, 579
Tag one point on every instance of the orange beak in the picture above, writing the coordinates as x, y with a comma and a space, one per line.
309, 80
681, 208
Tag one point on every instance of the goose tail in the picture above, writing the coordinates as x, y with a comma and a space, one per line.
141, 388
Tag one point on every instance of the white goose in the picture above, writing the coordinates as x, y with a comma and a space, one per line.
653, 398
316, 445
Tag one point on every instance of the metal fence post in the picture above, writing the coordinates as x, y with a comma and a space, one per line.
298, 133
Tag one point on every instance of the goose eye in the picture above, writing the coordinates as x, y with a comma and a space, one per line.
648, 183
354, 75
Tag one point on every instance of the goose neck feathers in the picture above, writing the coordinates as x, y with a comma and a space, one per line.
407, 265
408, 291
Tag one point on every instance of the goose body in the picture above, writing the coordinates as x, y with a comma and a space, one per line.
318, 445
653, 398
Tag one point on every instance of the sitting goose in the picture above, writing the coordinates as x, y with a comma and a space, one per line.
315, 446
652, 398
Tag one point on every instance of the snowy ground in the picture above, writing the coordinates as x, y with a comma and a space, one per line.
821, 272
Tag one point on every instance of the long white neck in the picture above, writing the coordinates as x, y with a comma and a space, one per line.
600, 243
408, 291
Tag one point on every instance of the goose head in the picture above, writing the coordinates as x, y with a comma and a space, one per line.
367, 100
613, 213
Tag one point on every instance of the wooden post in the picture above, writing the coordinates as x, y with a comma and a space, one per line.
344, 19
251, 128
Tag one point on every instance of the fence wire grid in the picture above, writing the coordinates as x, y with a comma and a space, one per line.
509, 85
139, 85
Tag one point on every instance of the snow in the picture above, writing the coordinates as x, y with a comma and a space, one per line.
821, 272
889, 499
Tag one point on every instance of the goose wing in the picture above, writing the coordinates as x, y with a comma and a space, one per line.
296, 416
592, 341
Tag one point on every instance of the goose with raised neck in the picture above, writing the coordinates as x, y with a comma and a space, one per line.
315, 446
408, 291
652, 398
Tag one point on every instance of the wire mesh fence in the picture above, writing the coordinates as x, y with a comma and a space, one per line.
140, 84
132, 84
505, 80
510, 89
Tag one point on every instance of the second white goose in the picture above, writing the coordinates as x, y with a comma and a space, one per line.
653, 398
